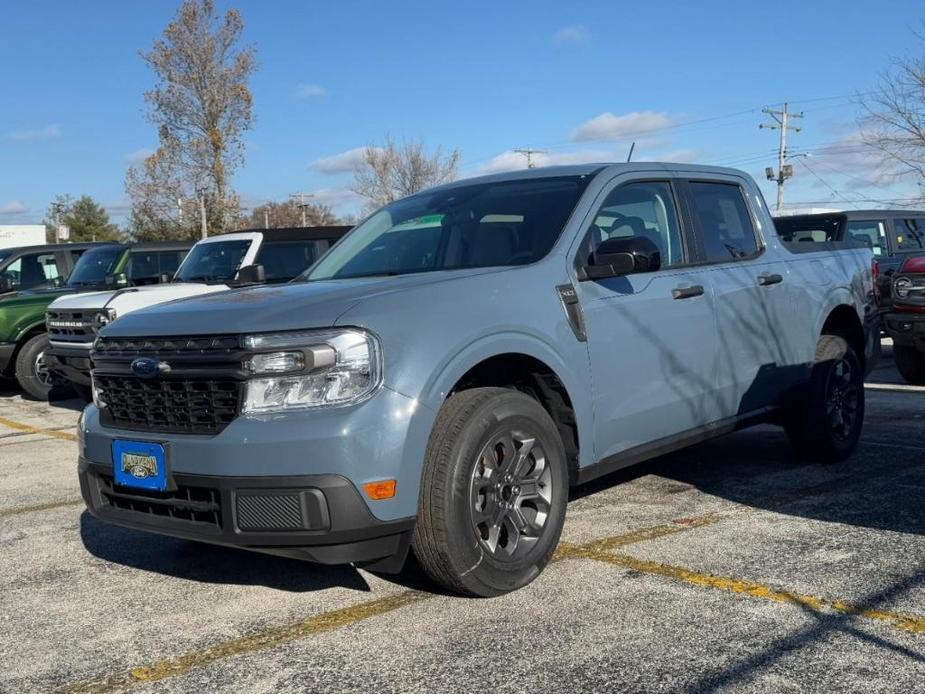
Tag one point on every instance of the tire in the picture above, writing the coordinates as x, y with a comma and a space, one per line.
31, 373
824, 424
910, 363
488, 523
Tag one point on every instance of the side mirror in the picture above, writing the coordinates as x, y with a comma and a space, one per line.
163, 278
251, 274
623, 256
117, 280
6, 284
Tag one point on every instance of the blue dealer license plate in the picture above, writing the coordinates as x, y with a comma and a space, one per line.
139, 464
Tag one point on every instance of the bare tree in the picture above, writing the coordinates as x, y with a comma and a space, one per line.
894, 123
289, 214
202, 106
396, 170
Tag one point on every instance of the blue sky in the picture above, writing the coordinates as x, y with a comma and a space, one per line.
582, 80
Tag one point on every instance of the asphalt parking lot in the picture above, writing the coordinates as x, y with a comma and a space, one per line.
726, 567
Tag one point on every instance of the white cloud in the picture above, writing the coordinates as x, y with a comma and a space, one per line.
336, 198
608, 126
680, 156
572, 34
13, 207
515, 161
47, 133
345, 162
139, 155
310, 91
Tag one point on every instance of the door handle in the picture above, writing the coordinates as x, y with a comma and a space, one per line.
687, 292
766, 280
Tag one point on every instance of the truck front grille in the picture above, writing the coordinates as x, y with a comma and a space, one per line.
198, 390
192, 406
70, 326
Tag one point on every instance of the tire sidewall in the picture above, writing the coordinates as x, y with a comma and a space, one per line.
837, 448
25, 367
509, 412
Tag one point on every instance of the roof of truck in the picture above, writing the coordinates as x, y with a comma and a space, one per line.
52, 247
298, 233
590, 169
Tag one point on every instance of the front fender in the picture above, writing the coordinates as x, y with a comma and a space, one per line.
456, 364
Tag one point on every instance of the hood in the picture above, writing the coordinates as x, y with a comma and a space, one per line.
147, 295
32, 296
291, 306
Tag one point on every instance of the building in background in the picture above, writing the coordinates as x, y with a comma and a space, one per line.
13, 235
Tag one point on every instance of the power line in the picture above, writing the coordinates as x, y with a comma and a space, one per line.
529, 152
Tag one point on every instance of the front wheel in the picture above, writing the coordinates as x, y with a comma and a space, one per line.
910, 363
32, 371
824, 424
493, 493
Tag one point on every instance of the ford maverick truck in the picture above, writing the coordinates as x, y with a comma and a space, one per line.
23, 340
214, 264
439, 378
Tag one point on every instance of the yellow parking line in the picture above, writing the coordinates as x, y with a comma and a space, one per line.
5, 513
173, 667
905, 622
318, 624
29, 429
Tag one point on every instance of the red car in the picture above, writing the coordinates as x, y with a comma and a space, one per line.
906, 321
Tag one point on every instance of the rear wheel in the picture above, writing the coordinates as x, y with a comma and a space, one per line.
910, 363
493, 493
32, 371
825, 423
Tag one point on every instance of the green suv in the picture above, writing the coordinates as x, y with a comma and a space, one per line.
87, 267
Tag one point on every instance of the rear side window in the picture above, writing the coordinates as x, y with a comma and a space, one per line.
869, 233
150, 265
909, 234
30, 271
724, 225
284, 260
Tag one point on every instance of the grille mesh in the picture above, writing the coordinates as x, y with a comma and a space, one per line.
191, 405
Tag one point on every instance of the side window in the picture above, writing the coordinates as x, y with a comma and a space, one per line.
169, 261
641, 210
909, 234
32, 270
870, 233
283, 260
142, 265
724, 226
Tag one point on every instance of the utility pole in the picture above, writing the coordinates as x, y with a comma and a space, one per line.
180, 210
266, 218
529, 152
202, 214
784, 170
302, 203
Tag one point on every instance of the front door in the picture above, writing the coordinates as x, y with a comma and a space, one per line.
651, 335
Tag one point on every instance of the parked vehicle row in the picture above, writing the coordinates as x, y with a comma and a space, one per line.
214, 264
440, 377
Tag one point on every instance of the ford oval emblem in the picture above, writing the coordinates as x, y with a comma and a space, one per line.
145, 367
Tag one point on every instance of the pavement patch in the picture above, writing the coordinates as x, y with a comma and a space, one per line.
48, 506
29, 429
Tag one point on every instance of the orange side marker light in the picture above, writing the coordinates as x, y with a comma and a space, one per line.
377, 491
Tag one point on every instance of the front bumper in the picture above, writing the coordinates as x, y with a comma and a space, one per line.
73, 363
6, 355
319, 518
906, 329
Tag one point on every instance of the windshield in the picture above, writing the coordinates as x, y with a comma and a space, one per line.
217, 261
94, 266
501, 223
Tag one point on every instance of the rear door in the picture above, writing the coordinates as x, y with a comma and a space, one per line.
651, 336
757, 348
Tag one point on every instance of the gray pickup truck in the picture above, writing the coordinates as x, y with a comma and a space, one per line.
453, 364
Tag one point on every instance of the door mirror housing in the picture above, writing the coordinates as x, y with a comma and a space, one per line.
623, 256
6, 284
163, 278
251, 274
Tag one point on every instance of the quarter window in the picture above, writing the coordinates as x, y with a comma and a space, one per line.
642, 210
909, 234
724, 226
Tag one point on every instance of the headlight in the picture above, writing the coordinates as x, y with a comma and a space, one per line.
902, 286
311, 369
103, 318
